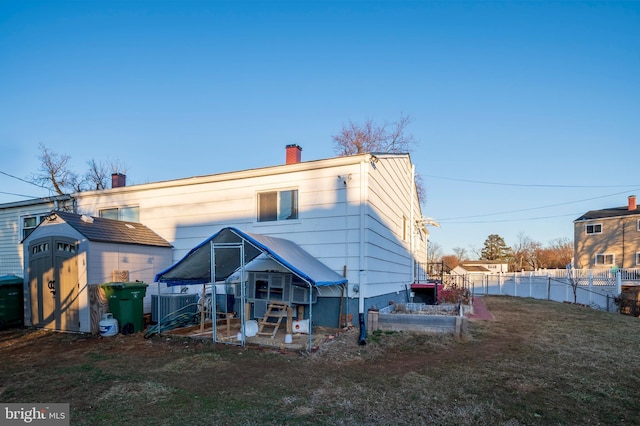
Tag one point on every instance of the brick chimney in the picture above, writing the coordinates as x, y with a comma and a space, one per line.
632, 202
294, 154
118, 180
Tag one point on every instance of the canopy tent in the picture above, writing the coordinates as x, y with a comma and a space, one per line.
195, 267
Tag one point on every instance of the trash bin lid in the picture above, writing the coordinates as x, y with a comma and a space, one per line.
123, 285
10, 280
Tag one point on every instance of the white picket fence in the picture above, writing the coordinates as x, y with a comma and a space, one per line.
593, 288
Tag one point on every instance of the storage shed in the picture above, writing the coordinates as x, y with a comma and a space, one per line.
68, 255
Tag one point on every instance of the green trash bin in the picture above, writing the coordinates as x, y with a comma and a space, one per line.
126, 305
11, 301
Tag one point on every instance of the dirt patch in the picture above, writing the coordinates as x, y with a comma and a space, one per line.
537, 362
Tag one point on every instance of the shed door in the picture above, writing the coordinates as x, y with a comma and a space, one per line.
53, 283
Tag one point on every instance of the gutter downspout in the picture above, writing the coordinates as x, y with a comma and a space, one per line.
362, 259
310, 316
412, 224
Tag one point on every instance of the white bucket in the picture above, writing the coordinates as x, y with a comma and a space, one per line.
301, 326
250, 328
108, 325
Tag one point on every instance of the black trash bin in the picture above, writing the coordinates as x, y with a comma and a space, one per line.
11, 301
126, 305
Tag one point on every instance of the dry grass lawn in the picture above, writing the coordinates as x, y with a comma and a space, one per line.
538, 362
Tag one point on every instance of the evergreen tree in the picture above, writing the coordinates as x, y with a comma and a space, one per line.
495, 249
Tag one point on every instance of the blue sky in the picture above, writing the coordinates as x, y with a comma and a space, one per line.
527, 113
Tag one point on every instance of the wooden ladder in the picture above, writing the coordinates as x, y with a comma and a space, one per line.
277, 310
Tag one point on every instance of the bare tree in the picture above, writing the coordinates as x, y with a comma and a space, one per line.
563, 248
461, 253
356, 138
97, 177
434, 253
368, 137
526, 253
54, 172
451, 261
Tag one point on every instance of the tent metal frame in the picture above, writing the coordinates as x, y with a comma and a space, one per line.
214, 303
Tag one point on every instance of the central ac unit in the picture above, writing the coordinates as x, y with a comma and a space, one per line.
172, 305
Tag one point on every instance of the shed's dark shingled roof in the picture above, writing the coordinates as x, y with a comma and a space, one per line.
606, 213
113, 231
474, 268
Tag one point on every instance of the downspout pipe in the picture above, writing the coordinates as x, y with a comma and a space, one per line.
362, 340
412, 223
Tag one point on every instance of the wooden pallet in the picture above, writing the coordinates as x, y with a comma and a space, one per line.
277, 311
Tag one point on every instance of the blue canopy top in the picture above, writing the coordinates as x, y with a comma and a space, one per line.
195, 267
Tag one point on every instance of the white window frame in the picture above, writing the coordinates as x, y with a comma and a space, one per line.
39, 217
593, 225
121, 213
604, 257
638, 228
637, 258
279, 213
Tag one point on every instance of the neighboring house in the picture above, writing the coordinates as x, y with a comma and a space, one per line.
486, 266
67, 253
470, 269
358, 215
608, 238
18, 220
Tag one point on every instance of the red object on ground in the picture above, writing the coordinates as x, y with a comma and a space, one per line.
480, 311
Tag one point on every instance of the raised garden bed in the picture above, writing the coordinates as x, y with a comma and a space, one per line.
420, 317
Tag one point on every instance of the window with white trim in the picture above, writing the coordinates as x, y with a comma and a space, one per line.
605, 259
595, 228
29, 223
126, 214
637, 258
638, 225
277, 205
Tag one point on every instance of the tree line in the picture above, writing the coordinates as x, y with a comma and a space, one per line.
525, 255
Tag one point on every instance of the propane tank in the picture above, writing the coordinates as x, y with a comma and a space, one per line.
108, 325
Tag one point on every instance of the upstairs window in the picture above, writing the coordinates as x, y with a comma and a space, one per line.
637, 258
126, 214
277, 205
29, 223
605, 259
596, 228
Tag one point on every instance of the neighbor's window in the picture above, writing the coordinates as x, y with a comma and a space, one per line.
637, 258
277, 205
605, 259
29, 223
127, 214
594, 229
638, 224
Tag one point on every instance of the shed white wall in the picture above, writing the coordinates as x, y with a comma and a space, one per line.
142, 262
